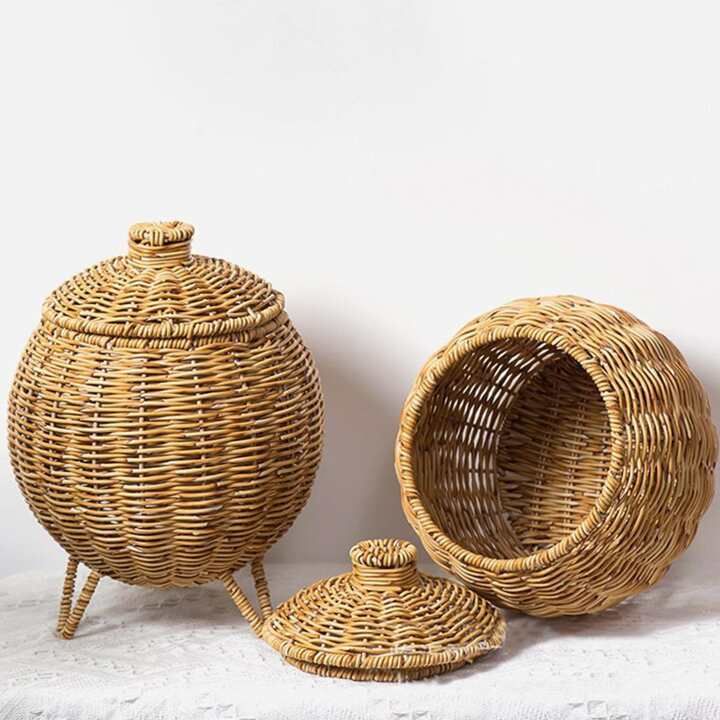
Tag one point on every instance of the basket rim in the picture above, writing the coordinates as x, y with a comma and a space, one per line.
426, 382
163, 331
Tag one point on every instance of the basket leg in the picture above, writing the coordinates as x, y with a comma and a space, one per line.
241, 600
243, 604
67, 593
69, 617
261, 587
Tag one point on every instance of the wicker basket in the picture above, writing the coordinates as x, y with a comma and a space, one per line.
165, 421
384, 621
556, 455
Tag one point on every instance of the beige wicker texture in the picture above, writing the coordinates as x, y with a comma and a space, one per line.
556, 455
384, 620
165, 421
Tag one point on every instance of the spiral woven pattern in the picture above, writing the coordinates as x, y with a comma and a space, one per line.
556, 455
165, 421
384, 620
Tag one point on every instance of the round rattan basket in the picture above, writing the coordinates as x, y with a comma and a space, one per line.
384, 621
165, 422
556, 455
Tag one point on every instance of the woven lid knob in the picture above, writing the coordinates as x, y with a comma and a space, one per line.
384, 564
160, 244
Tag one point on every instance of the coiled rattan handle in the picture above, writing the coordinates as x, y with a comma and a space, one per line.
161, 244
384, 565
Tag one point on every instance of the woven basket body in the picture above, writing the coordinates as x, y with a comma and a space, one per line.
165, 421
556, 455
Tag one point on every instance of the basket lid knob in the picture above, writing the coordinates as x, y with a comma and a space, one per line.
384, 564
160, 244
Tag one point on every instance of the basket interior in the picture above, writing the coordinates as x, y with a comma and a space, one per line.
512, 448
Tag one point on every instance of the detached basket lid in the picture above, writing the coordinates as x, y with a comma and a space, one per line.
160, 290
385, 620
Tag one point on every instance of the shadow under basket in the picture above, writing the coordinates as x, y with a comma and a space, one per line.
556, 455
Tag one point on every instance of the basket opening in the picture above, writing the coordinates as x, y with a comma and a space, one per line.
512, 449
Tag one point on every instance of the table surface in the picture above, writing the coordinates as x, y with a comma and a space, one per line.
143, 653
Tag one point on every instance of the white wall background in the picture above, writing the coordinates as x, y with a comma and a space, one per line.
394, 167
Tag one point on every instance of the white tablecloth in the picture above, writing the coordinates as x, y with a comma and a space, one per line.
189, 654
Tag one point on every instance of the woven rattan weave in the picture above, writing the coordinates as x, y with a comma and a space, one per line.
384, 620
165, 422
556, 455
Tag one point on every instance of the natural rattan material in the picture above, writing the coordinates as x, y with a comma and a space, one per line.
556, 455
384, 620
165, 422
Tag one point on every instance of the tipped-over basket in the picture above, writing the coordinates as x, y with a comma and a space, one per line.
556, 455
165, 422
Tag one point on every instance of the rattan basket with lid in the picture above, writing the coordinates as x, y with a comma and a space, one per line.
556, 455
384, 621
165, 422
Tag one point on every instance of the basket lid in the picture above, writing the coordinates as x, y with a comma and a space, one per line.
384, 616
160, 290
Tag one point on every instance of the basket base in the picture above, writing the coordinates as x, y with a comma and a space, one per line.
69, 615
